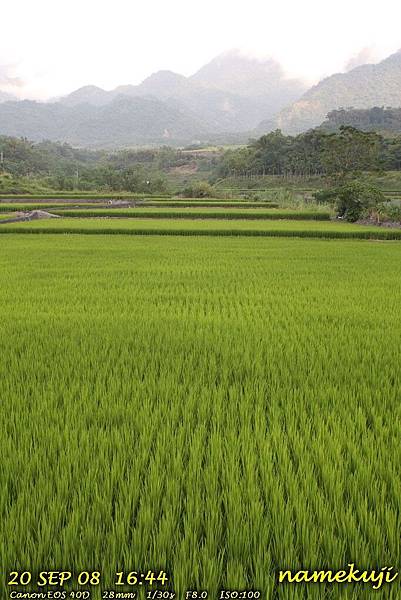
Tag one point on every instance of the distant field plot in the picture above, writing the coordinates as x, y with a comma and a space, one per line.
216, 408
209, 227
162, 203
208, 204
196, 213
35, 205
79, 196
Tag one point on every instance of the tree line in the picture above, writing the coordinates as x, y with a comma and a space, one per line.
378, 118
330, 154
316, 152
59, 166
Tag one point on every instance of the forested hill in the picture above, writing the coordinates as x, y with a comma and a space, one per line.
123, 122
363, 87
383, 120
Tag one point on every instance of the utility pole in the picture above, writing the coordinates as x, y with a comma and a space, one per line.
1, 160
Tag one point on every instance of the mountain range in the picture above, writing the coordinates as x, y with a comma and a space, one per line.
230, 94
232, 97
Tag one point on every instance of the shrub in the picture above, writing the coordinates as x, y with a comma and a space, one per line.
199, 189
353, 200
388, 211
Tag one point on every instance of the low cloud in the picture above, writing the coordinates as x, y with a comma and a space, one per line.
8, 78
365, 56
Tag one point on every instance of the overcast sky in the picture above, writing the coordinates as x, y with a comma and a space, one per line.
51, 47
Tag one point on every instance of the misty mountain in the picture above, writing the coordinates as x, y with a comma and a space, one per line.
365, 86
227, 97
242, 89
250, 78
230, 94
89, 94
6, 97
161, 85
122, 122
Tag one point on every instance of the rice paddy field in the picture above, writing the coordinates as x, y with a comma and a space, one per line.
183, 212
220, 403
209, 213
146, 202
310, 228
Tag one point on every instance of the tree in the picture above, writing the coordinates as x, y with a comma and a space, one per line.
351, 151
270, 152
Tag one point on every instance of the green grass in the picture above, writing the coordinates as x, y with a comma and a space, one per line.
212, 227
192, 213
218, 408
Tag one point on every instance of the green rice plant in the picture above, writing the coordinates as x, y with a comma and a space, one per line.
216, 203
189, 213
207, 227
216, 408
